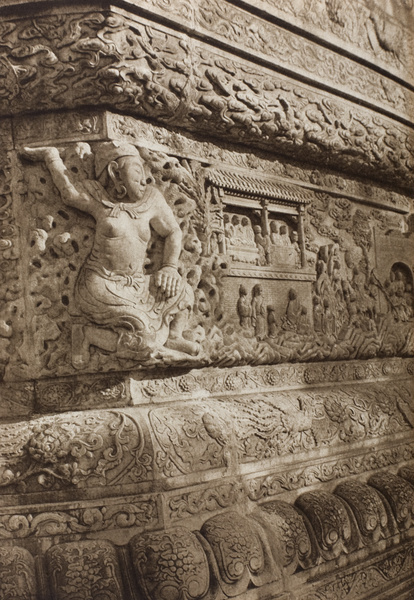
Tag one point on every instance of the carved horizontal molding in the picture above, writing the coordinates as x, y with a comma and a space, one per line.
87, 125
245, 380
187, 84
388, 575
303, 56
268, 274
260, 39
128, 512
326, 470
276, 548
222, 432
369, 32
122, 389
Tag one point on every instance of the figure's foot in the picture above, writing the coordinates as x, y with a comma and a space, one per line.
80, 348
182, 345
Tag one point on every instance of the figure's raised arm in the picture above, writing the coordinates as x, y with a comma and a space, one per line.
72, 195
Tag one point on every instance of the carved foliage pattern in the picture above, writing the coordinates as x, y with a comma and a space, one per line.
330, 522
17, 574
11, 288
238, 26
225, 381
293, 479
367, 507
193, 503
135, 513
288, 535
354, 584
75, 450
400, 495
70, 394
148, 71
85, 571
237, 549
171, 564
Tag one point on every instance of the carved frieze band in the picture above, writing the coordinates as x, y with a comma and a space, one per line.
187, 84
378, 32
232, 552
283, 48
71, 452
85, 125
249, 379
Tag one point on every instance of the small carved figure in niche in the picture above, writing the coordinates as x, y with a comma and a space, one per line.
237, 239
328, 319
293, 311
271, 322
247, 232
127, 311
303, 325
317, 314
259, 320
244, 309
228, 230
284, 236
294, 238
263, 245
274, 233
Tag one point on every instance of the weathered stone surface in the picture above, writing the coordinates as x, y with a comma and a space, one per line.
206, 300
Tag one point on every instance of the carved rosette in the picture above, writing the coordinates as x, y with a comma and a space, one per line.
171, 565
287, 534
17, 574
367, 507
330, 522
400, 495
239, 556
86, 570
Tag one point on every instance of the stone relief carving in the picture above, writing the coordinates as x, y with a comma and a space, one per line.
364, 25
114, 514
88, 570
240, 27
355, 584
75, 450
126, 311
172, 564
144, 248
17, 570
271, 485
229, 551
148, 71
94, 305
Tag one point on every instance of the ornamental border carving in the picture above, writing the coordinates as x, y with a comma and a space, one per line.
95, 125
302, 120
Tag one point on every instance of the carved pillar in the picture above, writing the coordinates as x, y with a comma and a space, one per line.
206, 301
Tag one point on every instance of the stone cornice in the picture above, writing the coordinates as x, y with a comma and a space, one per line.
135, 66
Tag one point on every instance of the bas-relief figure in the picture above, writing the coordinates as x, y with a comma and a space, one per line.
165, 277
127, 311
282, 468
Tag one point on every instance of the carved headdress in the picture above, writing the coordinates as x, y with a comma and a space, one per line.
109, 151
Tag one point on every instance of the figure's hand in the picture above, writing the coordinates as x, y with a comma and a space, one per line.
168, 279
44, 153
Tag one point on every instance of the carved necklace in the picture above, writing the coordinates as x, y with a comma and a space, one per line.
133, 209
